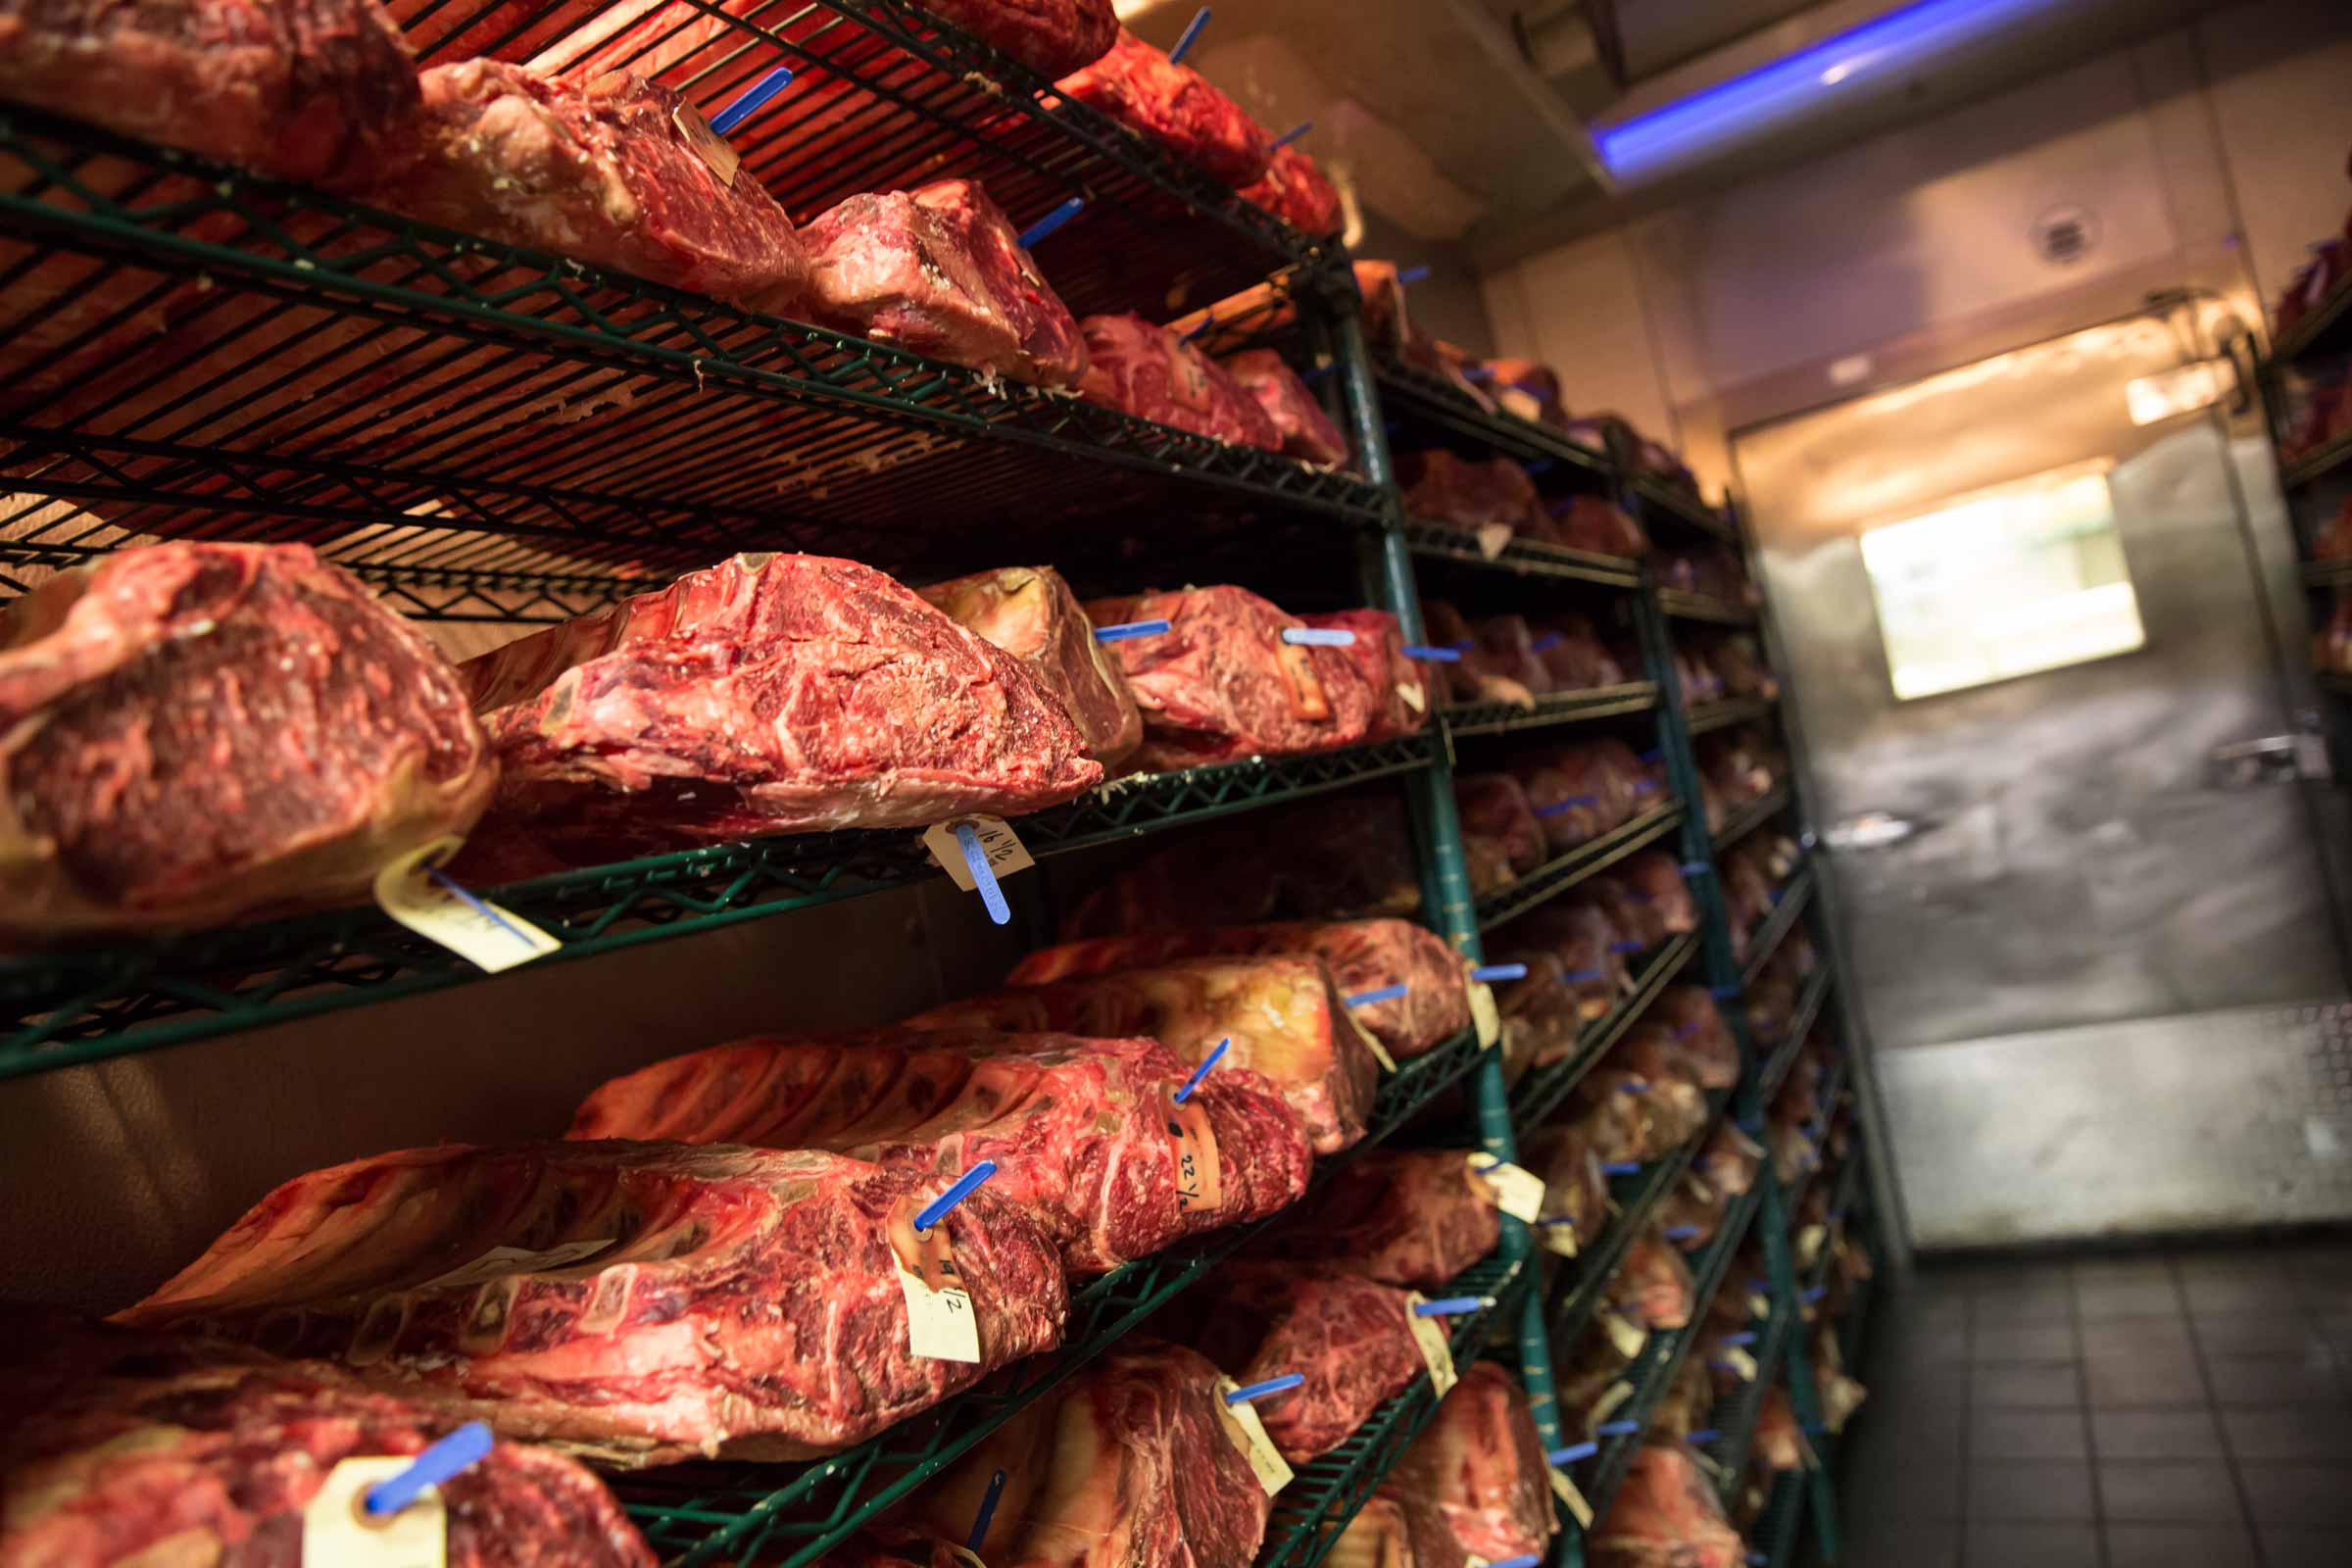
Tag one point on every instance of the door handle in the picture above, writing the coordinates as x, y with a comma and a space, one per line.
2243, 764
1872, 830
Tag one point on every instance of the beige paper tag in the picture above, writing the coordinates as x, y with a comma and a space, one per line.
1572, 1499
1743, 1364
1199, 1179
940, 1321
1414, 698
1517, 1193
1560, 1238
1436, 1352
1758, 1305
500, 1261
1483, 1015
337, 1530
1379, 1053
997, 842
966, 1555
486, 936
1624, 1333
708, 144
1493, 537
1808, 1245
1248, 1434
1615, 1395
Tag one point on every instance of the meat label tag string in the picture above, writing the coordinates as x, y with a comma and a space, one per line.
1319, 636
1294, 133
1184, 41
988, 1511
414, 891
1200, 1178
940, 1320
1050, 222
1427, 1320
708, 144
1248, 1434
1571, 1498
1210, 1061
1517, 1193
753, 99
388, 1513
971, 847
1493, 538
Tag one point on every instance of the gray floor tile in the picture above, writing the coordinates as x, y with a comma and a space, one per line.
2248, 1290
2023, 1341
1923, 1347
2146, 1492
1881, 1542
2287, 1333
2335, 1332
2273, 1380
2130, 1545
2000, 1491
1994, 1435
1904, 1482
2043, 1300
2154, 1433
2127, 1382
2044, 1546
2025, 1384
2298, 1493
2155, 1297
2137, 1336
2300, 1546
2123, 1269
2298, 1432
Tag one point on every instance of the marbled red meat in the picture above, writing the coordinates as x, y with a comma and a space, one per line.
1474, 678
1595, 523
1500, 830
1031, 614
119, 1447
601, 174
1508, 647
769, 694
192, 733
636, 1302
1573, 654
1175, 106
1350, 1337
1401, 695
939, 270
1296, 190
1361, 955
1305, 430
1481, 1460
1051, 38
1150, 372
1581, 790
1077, 1128
1667, 1514
1523, 387
1441, 487
1576, 1192
1410, 1217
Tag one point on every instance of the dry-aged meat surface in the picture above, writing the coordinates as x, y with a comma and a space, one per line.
598, 173
1400, 697
1413, 1217
1482, 1459
1306, 431
119, 1447
1078, 1128
1031, 614
939, 270
320, 91
1350, 1337
635, 1301
1136, 1465
1280, 1014
1361, 955
1175, 106
1396, 1532
1667, 1514
1220, 683
1148, 372
1295, 190
768, 694
191, 732
1445, 488
1051, 38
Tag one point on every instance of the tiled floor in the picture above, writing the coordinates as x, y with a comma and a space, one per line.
2151, 1411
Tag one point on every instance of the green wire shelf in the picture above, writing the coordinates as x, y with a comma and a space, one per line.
1328, 1491
1699, 607
2328, 574
1540, 1092
1784, 1519
1416, 397
1736, 1418
788, 1515
1559, 875
1730, 711
1578, 1292
1842, 1199
2313, 465
380, 387
1801, 1019
1525, 558
68, 1007
1560, 707
2317, 328
1747, 818
1786, 910
1832, 1086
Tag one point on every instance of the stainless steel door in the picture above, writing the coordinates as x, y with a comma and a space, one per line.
2081, 906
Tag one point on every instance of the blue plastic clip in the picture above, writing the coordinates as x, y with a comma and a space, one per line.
984, 877
1129, 629
1487, 974
988, 1511
1192, 30
1567, 802
1625, 947
1259, 1391
1319, 636
1527, 1559
1622, 1167
1616, 1429
439, 1463
754, 98
1439, 656
1578, 977
1702, 1435
1636, 1087
475, 905
1573, 1453
1744, 1337
1051, 221
1540, 466
1365, 999
1723, 993
1202, 1072
1207, 321
1294, 133
1653, 753
934, 1211
1545, 643
1411, 276
1448, 1306
1695, 868
1680, 1233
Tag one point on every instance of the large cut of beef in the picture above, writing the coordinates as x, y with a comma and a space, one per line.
1148, 372
1595, 523
1296, 190
1175, 106
1576, 1192
191, 732
1279, 1015
1443, 488
1220, 683
1401, 695
1573, 654
1031, 614
939, 270
1321, 859
1523, 387
1305, 430
1361, 955
1581, 791
1393, 1531
1500, 836
768, 694
1351, 1338
1133, 1463
1482, 1460
320, 91
1411, 1217
120, 1449
635, 1301
1508, 645
1667, 1514
1051, 38
1475, 677
601, 173
1078, 1129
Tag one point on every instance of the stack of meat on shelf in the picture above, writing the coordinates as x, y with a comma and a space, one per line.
1550, 800
2321, 411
